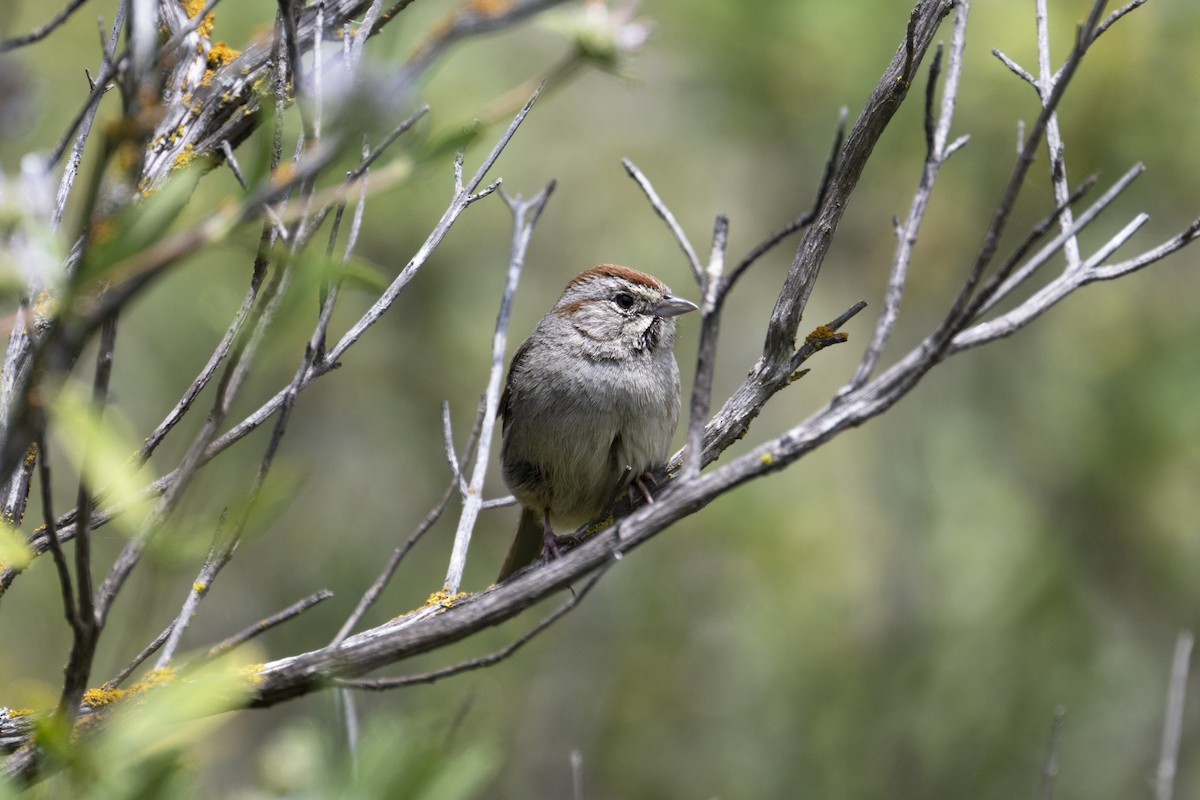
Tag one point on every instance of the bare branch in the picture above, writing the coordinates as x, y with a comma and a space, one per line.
382, 684
1017, 70
1050, 771
665, 214
66, 587
1164, 783
263, 625
936, 133
448, 446
706, 355
804, 220
1115, 16
372, 594
37, 34
887, 96
525, 216
218, 557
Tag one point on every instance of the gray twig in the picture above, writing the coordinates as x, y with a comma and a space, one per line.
665, 214
937, 131
263, 625
525, 216
372, 594
1050, 770
41, 32
1164, 781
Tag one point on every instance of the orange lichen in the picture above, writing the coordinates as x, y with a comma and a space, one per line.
819, 332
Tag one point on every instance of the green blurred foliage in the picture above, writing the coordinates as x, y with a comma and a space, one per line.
898, 615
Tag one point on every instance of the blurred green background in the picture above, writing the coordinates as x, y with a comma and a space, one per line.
897, 615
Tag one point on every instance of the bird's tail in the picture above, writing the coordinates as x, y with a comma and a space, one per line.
526, 546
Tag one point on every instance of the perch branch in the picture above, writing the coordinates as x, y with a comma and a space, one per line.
382, 684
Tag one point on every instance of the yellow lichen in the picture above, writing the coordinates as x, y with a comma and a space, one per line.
45, 305
199, 587
600, 524
253, 673
194, 7
184, 157
220, 54
443, 597
98, 698
153, 678
19, 712
767, 459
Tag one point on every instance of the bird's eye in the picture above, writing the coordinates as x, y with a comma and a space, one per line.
624, 300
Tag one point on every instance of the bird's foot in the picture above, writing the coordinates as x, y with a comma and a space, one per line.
641, 484
553, 544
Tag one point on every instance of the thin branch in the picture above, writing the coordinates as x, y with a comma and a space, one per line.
37, 34
264, 625
216, 560
448, 446
958, 315
186, 29
665, 214
936, 133
83, 648
140, 658
883, 103
1054, 143
1016, 69
1112, 18
1008, 277
231, 380
706, 352
458, 204
1176, 242
805, 219
219, 354
1050, 770
525, 215
60, 560
1164, 783
382, 684
84, 123
372, 594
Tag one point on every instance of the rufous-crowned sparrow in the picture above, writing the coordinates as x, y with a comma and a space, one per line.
590, 403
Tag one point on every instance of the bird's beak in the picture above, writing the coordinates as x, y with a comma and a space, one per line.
672, 306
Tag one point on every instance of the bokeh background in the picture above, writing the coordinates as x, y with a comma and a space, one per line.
898, 615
